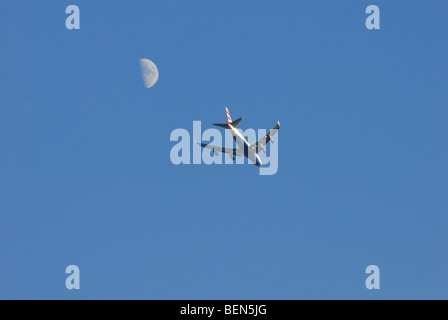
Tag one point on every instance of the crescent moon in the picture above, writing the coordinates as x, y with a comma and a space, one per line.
150, 74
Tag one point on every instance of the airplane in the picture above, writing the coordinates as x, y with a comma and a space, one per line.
250, 151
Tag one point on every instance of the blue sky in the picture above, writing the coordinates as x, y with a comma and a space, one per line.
86, 177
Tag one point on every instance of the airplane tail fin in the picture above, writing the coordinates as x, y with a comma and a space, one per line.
229, 121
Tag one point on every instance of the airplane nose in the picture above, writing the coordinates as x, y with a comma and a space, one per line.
258, 162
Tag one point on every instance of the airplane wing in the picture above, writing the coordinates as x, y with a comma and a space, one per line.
235, 152
263, 141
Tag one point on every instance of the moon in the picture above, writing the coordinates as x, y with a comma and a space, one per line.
150, 73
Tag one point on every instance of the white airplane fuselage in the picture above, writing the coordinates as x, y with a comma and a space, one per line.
242, 143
